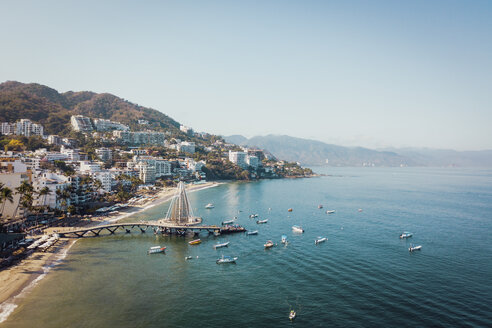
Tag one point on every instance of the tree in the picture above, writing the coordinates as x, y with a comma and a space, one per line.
6, 194
24, 190
43, 193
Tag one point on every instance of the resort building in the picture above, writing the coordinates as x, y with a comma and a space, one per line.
81, 123
186, 147
104, 154
238, 158
107, 125
140, 138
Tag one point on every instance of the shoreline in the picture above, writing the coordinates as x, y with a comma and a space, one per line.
17, 281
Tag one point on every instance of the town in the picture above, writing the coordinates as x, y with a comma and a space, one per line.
101, 165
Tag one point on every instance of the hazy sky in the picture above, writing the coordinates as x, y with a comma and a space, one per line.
386, 73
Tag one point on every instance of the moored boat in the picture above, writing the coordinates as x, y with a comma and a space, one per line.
262, 221
195, 242
252, 216
330, 211
320, 206
249, 233
188, 257
226, 259
297, 229
156, 249
292, 315
405, 235
414, 248
268, 244
228, 222
209, 206
289, 210
284, 239
320, 240
221, 245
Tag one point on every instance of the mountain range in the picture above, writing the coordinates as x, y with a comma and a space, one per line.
312, 152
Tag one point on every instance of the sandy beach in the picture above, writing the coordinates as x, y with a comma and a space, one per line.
18, 280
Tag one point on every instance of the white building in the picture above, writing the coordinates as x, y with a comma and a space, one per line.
185, 129
162, 167
54, 182
186, 147
89, 167
104, 154
54, 140
238, 158
72, 154
146, 173
107, 125
81, 123
7, 128
12, 181
53, 156
140, 138
106, 179
253, 161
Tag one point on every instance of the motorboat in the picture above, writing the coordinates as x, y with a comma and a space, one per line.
320, 206
252, 216
292, 315
330, 211
414, 248
297, 229
226, 259
221, 245
195, 242
156, 249
284, 239
228, 222
289, 210
209, 206
269, 244
360, 210
405, 235
262, 221
320, 240
249, 233
188, 257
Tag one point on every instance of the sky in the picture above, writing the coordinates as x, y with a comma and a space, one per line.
353, 73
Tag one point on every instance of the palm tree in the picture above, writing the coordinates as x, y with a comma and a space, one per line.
6, 194
43, 193
24, 189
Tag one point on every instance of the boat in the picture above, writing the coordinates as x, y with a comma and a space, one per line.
195, 242
188, 257
249, 233
268, 244
262, 221
228, 222
284, 239
226, 259
405, 235
209, 206
297, 229
221, 245
330, 211
289, 210
292, 315
320, 240
156, 249
320, 206
414, 248
252, 216
360, 209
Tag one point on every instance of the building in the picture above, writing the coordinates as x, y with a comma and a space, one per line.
12, 181
104, 154
186, 147
54, 182
185, 129
107, 125
106, 179
146, 173
253, 161
54, 140
72, 154
162, 167
238, 158
7, 128
81, 123
89, 167
143, 122
27, 128
140, 138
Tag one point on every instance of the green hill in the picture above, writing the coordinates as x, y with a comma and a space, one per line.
53, 109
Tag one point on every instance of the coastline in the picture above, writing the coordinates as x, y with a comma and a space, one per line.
17, 281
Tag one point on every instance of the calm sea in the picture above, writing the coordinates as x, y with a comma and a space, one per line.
363, 276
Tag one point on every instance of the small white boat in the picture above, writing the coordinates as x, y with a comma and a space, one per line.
228, 222
156, 249
360, 210
320, 240
249, 233
414, 248
226, 259
209, 206
221, 245
252, 216
330, 211
292, 315
262, 221
405, 235
188, 257
297, 229
269, 244
320, 206
284, 239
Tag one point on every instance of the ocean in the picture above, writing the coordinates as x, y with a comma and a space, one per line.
362, 276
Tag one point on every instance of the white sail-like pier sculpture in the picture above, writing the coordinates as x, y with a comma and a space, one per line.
180, 212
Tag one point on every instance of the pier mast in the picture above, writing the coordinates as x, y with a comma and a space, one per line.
180, 211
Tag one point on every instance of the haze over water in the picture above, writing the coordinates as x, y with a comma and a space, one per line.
363, 276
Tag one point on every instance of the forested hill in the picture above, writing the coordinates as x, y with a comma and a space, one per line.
53, 109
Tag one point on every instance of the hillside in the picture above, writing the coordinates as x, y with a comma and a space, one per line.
312, 152
53, 109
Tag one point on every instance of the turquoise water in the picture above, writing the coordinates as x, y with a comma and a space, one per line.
363, 276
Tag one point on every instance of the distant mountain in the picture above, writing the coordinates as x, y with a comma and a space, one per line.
53, 109
312, 152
